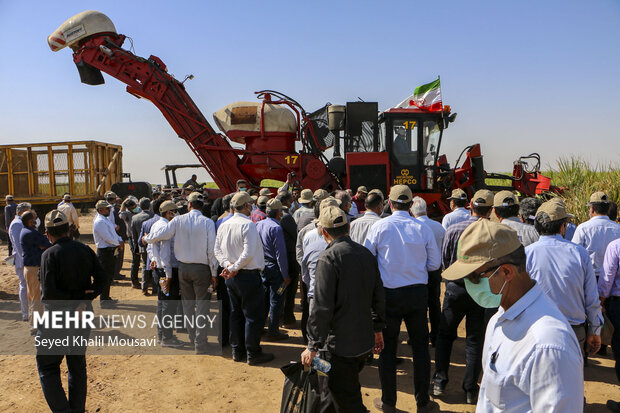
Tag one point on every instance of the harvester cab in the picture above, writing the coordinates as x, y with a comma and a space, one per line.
394, 147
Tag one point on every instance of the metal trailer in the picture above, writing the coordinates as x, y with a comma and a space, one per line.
40, 173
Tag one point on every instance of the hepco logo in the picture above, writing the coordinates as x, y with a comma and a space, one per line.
404, 172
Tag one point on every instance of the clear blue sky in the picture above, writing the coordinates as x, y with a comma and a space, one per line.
523, 75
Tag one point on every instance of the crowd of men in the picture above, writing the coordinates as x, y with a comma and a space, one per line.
531, 286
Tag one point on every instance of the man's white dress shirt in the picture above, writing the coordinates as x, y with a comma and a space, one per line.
238, 245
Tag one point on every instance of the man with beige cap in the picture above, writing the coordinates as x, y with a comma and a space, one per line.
107, 242
258, 214
457, 304
275, 274
70, 275
596, 233
531, 360
347, 313
458, 201
406, 251
239, 251
67, 208
194, 238
506, 208
306, 202
563, 270
166, 274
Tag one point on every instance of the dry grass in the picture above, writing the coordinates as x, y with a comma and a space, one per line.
583, 179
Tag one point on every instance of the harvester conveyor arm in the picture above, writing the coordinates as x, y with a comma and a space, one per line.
149, 79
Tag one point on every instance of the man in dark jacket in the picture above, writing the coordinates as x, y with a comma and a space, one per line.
347, 313
71, 277
33, 243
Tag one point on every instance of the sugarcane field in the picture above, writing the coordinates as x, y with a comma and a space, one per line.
287, 214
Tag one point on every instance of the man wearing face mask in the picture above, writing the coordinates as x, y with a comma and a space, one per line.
457, 304
565, 273
531, 360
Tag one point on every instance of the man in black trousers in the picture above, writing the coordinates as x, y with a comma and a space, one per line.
347, 313
71, 277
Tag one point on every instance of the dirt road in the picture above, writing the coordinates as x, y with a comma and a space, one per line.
217, 384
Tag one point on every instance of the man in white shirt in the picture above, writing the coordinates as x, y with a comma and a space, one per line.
406, 251
108, 244
67, 208
360, 226
506, 208
419, 211
458, 201
564, 272
531, 358
596, 233
239, 251
194, 238
15, 230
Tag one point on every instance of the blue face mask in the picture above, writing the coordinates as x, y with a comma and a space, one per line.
481, 293
135, 210
243, 189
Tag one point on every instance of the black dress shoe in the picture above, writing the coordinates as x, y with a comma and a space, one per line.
431, 406
172, 342
471, 397
260, 358
240, 357
275, 337
613, 406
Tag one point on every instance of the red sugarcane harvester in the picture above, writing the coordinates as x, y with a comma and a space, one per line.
365, 146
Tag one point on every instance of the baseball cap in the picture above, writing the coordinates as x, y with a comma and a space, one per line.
332, 217
240, 198
401, 194
195, 196
483, 198
55, 218
504, 199
67, 197
552, 210
265, 192
378, 192
274, 204
102, 204
8, 197
458, 193
362, 189
598, 197
481, 242
109, 195
320, 194
305, 197
262, 200
329, 201
167, 206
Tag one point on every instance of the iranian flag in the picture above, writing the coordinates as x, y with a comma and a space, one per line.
425, 97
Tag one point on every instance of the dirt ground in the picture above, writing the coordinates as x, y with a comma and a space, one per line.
215, 383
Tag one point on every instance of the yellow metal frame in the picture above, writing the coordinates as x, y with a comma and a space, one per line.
102, 167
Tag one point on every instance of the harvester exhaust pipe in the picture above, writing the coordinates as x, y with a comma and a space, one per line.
76, 29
